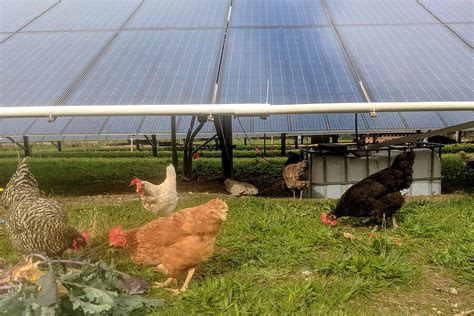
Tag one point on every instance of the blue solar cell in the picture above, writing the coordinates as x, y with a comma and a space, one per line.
277, 13
85, 125
156, 125
154, 67
422, 120
16, 14
181, 13
41, 65
465, 30
451, 10
384, 121
85, 15
14, 126
457, 117
122, 125
308, 122
272, 124
411, 62
344, 122
3, 36
300, 65
43, 127
243, 125
378, 12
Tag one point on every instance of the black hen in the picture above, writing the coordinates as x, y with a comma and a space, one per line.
378, 194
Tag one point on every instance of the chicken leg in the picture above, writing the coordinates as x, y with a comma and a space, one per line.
186, 282
164, 284
394, 223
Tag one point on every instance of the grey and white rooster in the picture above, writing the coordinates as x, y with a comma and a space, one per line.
36, 224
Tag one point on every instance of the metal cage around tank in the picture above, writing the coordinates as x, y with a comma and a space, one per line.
334, 168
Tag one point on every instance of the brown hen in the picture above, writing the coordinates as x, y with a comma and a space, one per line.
174, 244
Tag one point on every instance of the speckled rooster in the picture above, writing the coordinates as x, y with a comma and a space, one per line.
36, 224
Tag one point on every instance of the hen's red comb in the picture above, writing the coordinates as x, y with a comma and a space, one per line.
115, 231
325, 220
135, 181
86, 236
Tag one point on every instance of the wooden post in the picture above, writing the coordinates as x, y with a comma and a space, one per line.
154, 145
59, 146
174, 148
458, 137
264, 145
296, 142
283, 144
26, 146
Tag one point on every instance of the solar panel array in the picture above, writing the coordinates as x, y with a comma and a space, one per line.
76, 52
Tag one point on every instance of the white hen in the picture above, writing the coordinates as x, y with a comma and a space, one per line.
158, 198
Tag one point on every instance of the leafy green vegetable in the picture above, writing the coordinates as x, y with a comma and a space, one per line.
48, 290
93, 290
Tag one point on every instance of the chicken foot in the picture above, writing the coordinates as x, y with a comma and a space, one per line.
186, 282
394, 223
164, 284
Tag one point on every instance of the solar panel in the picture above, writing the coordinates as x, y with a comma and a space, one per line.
378, 12
422, 120
85, 125
122, 125
156, 125
411, 62
3, 36
181, 14
16, 14
14, 126
465, 30
300, 65
277, 13
43, 127
89, 15
243, 125
384, 121
457, 117
41, 65
344, 121
281, 48
154, 67
451, 10
272, 124
308, 122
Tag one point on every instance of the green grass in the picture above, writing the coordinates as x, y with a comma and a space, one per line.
267, 244
102, 175
455, 148
91, 176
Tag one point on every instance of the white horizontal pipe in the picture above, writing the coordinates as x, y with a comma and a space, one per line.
228, 109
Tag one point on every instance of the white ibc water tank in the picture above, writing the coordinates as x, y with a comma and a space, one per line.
332, 175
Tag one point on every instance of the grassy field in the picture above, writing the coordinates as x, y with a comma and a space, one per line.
273, 255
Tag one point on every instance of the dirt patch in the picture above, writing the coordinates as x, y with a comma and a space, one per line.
438, 294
